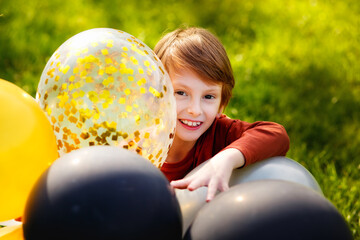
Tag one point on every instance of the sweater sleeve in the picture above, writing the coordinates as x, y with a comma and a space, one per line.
258, 140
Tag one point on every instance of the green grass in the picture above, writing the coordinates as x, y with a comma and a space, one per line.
295, 62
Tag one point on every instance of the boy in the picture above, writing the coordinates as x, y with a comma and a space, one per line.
202, 78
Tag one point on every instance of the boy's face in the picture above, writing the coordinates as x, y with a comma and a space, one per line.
197, 104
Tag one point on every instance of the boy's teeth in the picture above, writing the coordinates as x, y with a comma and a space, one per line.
190, 123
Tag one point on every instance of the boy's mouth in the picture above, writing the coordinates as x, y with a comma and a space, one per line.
190, 123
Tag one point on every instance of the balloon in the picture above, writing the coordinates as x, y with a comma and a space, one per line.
105, 87
190, 203
102, 192
11, 233
269, 209
280, 168
27, 147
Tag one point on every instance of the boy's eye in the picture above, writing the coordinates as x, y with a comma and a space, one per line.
181, 93
209, 97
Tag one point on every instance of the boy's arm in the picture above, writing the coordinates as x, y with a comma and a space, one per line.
215, 174
245, 144
258, 140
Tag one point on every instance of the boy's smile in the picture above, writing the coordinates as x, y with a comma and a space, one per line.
197, 104
189, 124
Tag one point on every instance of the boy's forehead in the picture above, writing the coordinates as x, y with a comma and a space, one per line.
180, 73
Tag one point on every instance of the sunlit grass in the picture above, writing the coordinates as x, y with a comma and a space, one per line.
295, 62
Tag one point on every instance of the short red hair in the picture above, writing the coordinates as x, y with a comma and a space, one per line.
200, 51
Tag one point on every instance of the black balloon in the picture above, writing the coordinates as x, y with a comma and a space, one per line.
276, 168
271, 209
102, 193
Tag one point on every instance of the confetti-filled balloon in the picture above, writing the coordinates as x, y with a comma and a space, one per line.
105, 87
27, 148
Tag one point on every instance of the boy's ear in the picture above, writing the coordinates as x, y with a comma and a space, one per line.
221, 109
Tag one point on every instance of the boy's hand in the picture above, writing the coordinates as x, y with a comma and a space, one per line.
215, 173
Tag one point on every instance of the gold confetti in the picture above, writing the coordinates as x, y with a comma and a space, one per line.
51, 72
110, 70
158, 154
53, 119
72, 119
107, 81
105, 51
137, 118
65, 69
87, 65
122, 100
135, 49
141, 81
134, 60
161, 70
142, 90
128, 108
89, 79
71, 87
154, 92
127, 91
108, 60
83, 73
93, 96
110, 43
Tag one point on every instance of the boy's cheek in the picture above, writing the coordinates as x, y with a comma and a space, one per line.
180, 104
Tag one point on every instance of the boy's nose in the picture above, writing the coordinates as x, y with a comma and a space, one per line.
194, 108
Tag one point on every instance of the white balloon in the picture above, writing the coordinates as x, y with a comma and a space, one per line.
275, 168
190, 203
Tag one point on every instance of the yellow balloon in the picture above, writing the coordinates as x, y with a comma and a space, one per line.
12, 233
106, 87
27, 147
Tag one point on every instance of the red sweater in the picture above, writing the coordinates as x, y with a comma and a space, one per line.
256, 141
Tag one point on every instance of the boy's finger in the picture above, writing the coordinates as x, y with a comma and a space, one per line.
224, 187
195, 184
181, 184
212, 188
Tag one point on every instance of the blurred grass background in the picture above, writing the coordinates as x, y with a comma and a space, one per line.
296, 62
